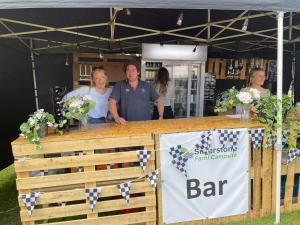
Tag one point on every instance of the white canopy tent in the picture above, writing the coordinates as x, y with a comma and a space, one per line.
266, 5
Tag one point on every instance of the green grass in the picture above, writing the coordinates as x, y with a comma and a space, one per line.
9, 210
292, 218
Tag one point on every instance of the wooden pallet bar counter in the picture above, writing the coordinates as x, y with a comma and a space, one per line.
63, 200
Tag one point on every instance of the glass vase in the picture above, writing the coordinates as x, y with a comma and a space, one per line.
245, 112
43, 130
83, 123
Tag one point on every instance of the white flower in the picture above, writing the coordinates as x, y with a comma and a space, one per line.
31, 121
22, 135
87, 97
76, 104
49, 124
39, 116
255, 93
35, 139
244, 97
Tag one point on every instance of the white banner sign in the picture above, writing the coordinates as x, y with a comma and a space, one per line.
217, 178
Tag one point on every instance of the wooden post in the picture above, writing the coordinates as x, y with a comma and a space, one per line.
21, 192
150, 167
159, 186
90, 184
223, 69
257, 183
267, 182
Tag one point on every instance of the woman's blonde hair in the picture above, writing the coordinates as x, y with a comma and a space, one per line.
101, 69
251, 75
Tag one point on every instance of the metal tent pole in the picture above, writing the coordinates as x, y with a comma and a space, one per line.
34, 75
278, 145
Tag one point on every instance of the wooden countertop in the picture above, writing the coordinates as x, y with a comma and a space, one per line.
147, 127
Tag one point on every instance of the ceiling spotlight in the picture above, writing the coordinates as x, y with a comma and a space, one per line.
77, 46
180, 19
48, 45
67, 61
245, 25
100, 54
128, 12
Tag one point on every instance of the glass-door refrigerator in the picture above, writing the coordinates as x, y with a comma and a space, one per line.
187, 80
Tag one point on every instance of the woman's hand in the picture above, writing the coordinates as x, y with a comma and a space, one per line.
120, 120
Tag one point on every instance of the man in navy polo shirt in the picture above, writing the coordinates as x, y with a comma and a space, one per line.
133, 96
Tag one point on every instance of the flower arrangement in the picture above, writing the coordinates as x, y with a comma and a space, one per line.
248, 98
230, 98
227, 100
36, 121
77, 107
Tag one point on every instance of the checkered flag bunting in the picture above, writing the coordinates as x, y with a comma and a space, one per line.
174, 152
124, 189
228, 136
152, 178
30, 200
293, 154
92, 195
144, 156
180, 163
285, 134
205, 140
256, 137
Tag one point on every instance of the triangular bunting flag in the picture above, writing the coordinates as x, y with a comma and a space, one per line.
174, 152
293, 154
30, 201
228, 136
92, 195
205, 139
285, 135
144, 156
179, 159
256, 137
152, 178
124, 189
180, 163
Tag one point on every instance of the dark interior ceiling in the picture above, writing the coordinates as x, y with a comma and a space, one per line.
160, 20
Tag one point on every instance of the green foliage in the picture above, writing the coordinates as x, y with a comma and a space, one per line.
30, 128
265, 111
227, 100
77, 107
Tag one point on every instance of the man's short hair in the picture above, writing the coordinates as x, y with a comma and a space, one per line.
134, 63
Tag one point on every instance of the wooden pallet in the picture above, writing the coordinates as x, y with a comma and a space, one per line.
97, 144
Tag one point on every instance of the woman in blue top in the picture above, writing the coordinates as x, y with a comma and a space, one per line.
99, 92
